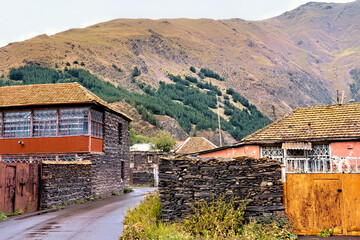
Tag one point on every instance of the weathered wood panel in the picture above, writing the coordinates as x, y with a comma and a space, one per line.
10, 185
318, 201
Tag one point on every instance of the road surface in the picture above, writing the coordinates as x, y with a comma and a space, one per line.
101, 219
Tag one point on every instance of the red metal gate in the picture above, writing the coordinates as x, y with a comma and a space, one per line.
19, 187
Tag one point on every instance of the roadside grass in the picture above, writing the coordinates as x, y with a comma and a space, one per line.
221, 219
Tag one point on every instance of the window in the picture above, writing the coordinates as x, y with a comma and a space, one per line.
44, 123
73, 121
122, 170
120, 132
96, 123
17, 124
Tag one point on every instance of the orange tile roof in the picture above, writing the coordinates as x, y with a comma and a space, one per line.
194, 144
50, 94
312, 123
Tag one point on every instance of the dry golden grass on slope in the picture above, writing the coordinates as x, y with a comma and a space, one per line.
287, 61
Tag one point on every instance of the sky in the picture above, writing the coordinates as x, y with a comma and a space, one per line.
24, 19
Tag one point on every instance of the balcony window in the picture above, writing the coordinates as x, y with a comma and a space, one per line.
73, 121
96, 123
44, 123
17, 124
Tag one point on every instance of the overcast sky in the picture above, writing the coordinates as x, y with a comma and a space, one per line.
24, 19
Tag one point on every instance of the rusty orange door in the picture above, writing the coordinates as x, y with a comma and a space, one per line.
318, 201
327, 206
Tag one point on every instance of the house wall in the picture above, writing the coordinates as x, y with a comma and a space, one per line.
345, 149
144, 167
247, 150
183, 181
106, 167
68, 144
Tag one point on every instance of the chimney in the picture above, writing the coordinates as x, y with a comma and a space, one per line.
309, 126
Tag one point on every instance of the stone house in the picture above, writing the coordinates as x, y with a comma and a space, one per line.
56, 125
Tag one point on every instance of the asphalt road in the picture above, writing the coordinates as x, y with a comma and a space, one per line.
101, 219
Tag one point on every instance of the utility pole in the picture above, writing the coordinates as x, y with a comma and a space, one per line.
273, 108
217, 98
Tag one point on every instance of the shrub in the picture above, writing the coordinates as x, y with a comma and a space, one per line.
75, 62
16, 74
273, 227
68, 64
165, 142
117, 68
136, 72
128, 190
193, 69
82, 64
211, 74
219, 219
2, 216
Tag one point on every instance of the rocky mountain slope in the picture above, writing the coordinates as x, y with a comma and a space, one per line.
297, 59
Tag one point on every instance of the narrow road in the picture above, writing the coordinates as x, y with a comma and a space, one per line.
101, 219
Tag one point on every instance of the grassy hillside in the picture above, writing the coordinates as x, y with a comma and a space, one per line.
185, 100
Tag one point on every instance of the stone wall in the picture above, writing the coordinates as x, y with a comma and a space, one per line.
64, 182
107, 173
144, 167
185, 180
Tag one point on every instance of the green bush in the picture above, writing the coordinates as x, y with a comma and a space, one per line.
16, 74
193, 69
136, 72
2, 216
128, 190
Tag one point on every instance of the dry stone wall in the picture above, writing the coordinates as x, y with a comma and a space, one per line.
182, 181
64, 183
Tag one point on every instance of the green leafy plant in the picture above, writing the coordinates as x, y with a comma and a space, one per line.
17, 212
136, 72
57, 208
193, 69
2, 216
326, 232
165, 142
64, 203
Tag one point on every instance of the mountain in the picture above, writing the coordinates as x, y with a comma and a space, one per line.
297, 59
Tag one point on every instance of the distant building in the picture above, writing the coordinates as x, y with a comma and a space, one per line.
309, 139
193, 145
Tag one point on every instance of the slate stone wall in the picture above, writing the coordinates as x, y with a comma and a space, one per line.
182, 181
143, 166
107, 167
64, 182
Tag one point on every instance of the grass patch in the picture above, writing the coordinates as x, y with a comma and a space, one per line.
128, 190
2, 216
16, 213
220, 219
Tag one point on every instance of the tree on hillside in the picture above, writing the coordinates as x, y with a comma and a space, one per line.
164, 142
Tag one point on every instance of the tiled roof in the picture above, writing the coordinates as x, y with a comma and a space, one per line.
194, 144
50, 94
312, 123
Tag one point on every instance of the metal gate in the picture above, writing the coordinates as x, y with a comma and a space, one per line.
19, 187
316, 201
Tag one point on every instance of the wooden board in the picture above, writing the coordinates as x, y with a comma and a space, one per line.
318, 201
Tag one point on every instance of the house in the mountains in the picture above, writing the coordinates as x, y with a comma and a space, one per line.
64, 123
193, 145
306, 140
